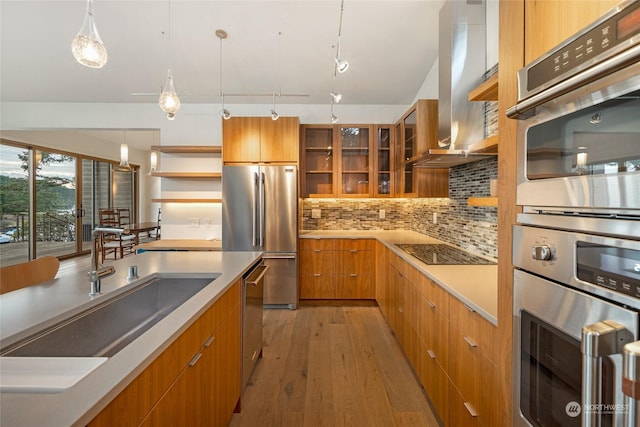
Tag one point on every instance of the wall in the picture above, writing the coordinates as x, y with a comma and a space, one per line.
195, 124
471, 228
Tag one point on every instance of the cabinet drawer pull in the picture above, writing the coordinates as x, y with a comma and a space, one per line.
431, 354
316, 250
316, 274
469, 308
254, 355
470, 341
471, 410
400, 310
209, 341
431, 304
195, 359
353, 251
353, 275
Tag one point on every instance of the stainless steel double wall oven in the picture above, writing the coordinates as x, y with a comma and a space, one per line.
576, 246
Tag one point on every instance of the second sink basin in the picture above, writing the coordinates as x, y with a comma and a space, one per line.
108, 328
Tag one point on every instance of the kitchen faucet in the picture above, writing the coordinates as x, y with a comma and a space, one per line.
98, 271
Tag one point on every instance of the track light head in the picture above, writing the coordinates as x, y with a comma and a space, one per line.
336, 96
342, 64
274, 115
334, 119
224, 113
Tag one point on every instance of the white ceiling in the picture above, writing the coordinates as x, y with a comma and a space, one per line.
391, 46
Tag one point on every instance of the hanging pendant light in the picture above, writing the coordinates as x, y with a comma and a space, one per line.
333, 118
153, 162
124, 155
224, 113
87, 46
336, 96
169, 101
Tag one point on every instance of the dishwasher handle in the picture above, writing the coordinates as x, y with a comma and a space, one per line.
257, 275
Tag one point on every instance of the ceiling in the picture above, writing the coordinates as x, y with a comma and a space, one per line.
391, 46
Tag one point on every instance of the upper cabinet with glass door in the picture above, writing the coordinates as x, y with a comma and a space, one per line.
317, 161
355, 161
347, 160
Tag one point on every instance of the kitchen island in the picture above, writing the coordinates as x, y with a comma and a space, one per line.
26, 311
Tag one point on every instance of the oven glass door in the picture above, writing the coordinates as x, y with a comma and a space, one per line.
551, 376
548, 362
601, 139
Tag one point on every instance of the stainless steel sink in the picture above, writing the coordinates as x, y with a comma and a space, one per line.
108, 328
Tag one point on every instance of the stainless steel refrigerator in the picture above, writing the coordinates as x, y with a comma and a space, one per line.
260, 213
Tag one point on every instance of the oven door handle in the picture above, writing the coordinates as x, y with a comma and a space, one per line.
631, 383
599, 340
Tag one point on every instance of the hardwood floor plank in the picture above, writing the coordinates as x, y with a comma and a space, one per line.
332, 366
396, 372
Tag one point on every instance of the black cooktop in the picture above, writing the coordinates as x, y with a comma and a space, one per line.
441, 254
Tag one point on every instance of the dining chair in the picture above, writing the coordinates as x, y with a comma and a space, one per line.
28, 273
111, 243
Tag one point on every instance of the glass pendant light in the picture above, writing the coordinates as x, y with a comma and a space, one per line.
87, 46
333, 118
169, 101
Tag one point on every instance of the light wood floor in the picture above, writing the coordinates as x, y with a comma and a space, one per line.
332, 366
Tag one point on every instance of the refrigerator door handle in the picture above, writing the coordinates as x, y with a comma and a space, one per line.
256, 193
262, 209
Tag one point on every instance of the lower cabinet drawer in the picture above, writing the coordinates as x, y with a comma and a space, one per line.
461, 412
358, 286
435, 382
317, 287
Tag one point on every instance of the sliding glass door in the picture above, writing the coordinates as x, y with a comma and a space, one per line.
49, 201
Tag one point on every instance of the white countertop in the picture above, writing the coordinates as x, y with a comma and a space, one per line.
474, 285
33, 308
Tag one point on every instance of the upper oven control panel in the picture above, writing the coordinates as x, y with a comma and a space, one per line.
600, 265
613, 33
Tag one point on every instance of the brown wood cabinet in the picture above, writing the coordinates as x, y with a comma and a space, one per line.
347, 160
336, 269
450, 346
260, 140
416, 132
549, 23
195, 381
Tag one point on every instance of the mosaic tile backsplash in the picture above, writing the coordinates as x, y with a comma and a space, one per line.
474, 229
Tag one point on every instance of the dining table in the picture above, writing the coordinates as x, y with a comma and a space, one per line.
141, 227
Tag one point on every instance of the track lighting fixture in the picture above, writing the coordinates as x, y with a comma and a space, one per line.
223, 113
334, 119
274, 115
336, 96
87, 46
341, 64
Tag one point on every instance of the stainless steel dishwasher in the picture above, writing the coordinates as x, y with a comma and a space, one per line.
252, 301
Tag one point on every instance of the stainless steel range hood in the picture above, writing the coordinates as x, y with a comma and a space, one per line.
462, 63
